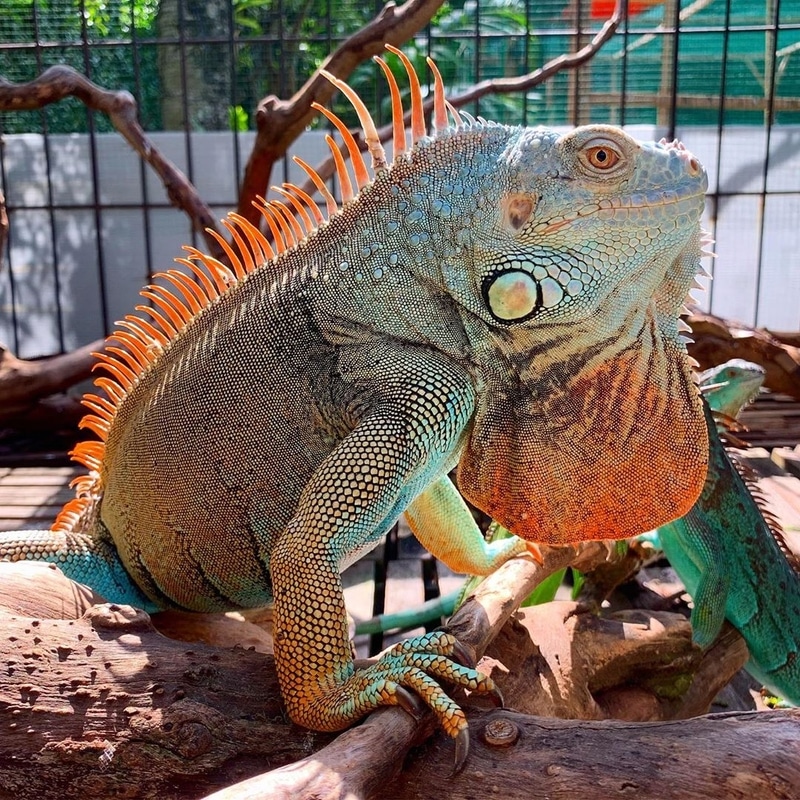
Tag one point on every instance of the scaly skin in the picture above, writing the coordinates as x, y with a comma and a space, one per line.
502, 299
725, 553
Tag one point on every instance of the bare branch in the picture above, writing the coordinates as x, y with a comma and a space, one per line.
496, 86
280, 122
61, 81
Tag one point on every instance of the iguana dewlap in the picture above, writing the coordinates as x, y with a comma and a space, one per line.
500, 299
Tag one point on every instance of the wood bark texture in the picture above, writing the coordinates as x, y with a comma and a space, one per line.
105, 706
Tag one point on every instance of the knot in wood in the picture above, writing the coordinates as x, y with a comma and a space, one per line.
501, 732
193, 739
111, 616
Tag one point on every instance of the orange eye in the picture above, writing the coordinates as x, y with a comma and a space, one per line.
602, 157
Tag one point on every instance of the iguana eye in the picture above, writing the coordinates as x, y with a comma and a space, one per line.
602, 157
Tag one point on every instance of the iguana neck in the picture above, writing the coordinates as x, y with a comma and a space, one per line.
621, 413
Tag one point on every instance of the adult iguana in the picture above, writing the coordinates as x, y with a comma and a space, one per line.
730, 553
501, 299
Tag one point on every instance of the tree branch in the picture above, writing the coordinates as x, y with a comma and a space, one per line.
280, 122
565, 61
60, 81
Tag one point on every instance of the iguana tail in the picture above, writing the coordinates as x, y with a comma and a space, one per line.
731, 555
85, 556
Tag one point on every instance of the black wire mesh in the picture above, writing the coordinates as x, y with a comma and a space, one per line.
87, 222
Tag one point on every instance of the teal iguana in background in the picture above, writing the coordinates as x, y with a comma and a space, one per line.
728, 550
730, 553
500, 299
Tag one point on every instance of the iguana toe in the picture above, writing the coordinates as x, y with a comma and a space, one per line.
462, 750
410, 703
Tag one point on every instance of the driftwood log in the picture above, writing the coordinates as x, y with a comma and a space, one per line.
103, 705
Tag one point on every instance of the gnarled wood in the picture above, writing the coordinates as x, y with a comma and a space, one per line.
717, 340
103, 704
23, 383
60, 81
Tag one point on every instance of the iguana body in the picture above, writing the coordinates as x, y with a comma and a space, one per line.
502, 299
729, 553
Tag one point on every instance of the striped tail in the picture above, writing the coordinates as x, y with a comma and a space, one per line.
85, 558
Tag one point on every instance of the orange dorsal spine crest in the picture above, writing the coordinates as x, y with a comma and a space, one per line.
180, 296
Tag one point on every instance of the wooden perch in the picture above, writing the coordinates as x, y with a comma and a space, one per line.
28, 389
92, 705
712, 758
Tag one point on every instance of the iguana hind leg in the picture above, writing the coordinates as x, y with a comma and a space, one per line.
442, 522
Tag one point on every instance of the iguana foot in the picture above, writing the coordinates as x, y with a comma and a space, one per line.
415, 664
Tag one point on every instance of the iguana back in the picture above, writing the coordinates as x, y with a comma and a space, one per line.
503, 299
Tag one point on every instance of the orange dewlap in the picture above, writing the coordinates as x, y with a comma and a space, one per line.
617, 450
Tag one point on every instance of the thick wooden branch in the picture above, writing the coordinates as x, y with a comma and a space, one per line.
560, 660
105, 701
23, 382
60, 81
516, 757
723, 757
26, 387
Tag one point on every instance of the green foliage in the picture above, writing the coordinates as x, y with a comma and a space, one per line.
578, 579
241, 51
238, 118
545, 592
60, 27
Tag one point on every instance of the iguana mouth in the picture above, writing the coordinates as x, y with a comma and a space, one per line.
620, 206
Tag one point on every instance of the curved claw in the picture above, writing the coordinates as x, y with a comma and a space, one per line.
411, 703
497, 697
462, 750
535, 552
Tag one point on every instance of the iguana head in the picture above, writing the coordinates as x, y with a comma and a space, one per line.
554, 266
590, 426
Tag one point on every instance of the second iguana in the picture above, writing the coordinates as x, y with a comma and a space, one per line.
730, 553
500, 299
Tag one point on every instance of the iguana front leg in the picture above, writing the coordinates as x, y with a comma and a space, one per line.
405, 442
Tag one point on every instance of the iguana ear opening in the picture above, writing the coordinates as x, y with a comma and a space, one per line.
609, 454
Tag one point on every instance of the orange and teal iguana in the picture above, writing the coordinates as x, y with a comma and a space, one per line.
500, 299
